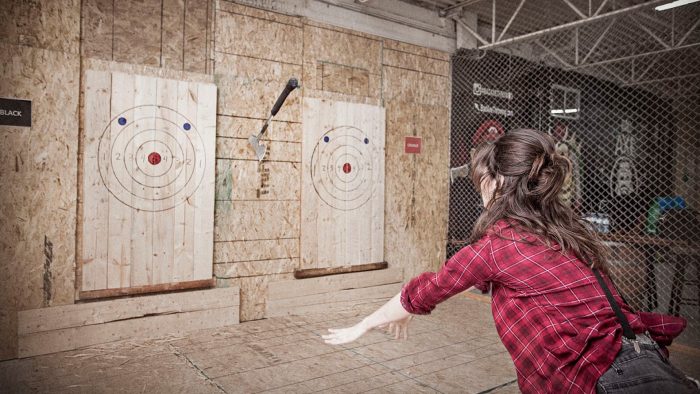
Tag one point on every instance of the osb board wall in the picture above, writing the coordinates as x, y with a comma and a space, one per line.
38, 165
173, 34
257, 220
251, 54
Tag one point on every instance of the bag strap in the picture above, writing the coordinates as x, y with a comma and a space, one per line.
626, 328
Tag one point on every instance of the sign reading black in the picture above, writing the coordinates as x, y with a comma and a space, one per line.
15, 112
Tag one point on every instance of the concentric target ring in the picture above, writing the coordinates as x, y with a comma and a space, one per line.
341, 168
151, 158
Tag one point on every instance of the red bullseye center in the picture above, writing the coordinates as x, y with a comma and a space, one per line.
347, 168
154, 158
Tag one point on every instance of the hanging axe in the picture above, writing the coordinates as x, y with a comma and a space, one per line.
254, 140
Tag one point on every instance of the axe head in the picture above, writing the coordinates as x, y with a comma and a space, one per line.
258, 148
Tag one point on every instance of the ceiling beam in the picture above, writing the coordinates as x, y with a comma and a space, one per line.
571, 25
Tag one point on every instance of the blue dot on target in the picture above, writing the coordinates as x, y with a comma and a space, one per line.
122, 121
366, 140
326, 139
186, 126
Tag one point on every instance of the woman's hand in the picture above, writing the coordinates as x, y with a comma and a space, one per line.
339, 336
390, 314
399, 329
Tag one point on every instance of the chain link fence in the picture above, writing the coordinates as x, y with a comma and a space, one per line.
628, 118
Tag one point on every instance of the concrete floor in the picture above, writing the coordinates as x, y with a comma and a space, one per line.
456, 349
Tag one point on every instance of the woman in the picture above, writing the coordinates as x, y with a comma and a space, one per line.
537, 257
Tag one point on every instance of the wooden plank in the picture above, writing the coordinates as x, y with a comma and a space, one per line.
243, 220
85, 314
316, 272
255, 268
163, 228
254, 250
298, 287
134, 290
96, 195
239, 149
142, 328
204, 196
342, 184
328, 302
231, 126
184, 213
252, 180
119, 213
142, 220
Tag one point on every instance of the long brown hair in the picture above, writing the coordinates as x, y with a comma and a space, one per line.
529, 175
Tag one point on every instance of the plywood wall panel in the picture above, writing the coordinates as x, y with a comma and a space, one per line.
416, 50
97, 28
238, 148
415, 62
137, 32
268, 249
253, 293
37, 240
197, 29
248, 220
249, 180
50, 25
255, 268
173, 34
414, 86
239, 34
332, 46
229, 126
232, 7
254, 68
254, 98
340, 61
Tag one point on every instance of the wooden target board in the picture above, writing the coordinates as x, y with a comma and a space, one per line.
342, 184
148, 182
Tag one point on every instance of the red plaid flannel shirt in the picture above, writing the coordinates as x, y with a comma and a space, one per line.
549, 310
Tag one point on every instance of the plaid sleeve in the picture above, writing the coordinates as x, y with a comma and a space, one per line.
471, 266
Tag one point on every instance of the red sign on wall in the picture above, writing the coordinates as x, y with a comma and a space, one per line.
412, 145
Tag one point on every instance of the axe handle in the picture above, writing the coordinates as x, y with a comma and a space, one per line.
291, 85
267, 123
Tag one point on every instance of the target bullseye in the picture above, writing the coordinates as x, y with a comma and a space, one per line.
151, 158
154, 158
347, 168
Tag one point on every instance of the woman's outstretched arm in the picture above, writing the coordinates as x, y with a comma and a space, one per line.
391, 312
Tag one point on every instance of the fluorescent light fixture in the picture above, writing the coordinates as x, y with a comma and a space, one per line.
570, 111
557, 111
674, 4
